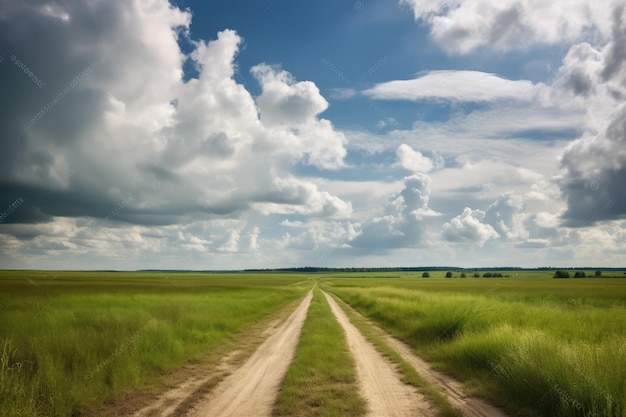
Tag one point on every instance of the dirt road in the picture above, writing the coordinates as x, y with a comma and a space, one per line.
449, 387
381, 385
251, 390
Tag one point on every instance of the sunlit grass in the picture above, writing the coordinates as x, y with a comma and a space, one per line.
560, 353
69, 343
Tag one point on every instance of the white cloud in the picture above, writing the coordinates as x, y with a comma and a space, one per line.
505, 215
292, 195
467, 227
294, 107
462, 26
285, 101
178, 152
413, 160
472, 86
403, 222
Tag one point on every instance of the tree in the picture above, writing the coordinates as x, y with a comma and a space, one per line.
487, 275
476, 275
579, 274
598, 273
463, 275
561, 274
426, 275
448, 274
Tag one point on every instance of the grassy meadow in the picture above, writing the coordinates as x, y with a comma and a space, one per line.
73, 341
536, 345
69, 341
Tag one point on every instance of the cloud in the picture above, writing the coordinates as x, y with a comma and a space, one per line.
285, 101
505, 216
467, 227
119, 123
593, 168
462, 26
291, 195
413, 160
403, 222
295, 106
468, 86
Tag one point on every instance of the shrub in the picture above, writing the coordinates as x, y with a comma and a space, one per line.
426, 275
487, 275
598, 273
476, 275
448, 274
579, 274
463, 275
561, 274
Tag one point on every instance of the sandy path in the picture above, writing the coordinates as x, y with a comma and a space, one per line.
451, 388
380, 383
251, 390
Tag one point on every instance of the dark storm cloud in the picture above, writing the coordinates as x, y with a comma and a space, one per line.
39, 34
73, 47
595, 167
600, 195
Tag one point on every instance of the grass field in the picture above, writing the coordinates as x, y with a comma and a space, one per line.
537, 345
321, 380
70, 341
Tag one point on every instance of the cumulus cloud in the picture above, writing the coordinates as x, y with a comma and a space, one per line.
468, 227
470, 86
294, 106
291, 195
462, 26
117, 122
285, 101
505, 216
413, 160
122, 157
403, 222
593, 168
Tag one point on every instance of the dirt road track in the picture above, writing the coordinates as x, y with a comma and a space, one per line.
251, 390
381, 385
449, 387
452, 389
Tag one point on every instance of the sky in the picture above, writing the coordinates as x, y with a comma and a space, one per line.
147, 134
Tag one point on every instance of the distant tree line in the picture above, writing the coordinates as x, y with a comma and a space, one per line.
577, 274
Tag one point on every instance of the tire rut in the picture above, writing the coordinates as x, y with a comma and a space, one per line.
252, 389
379, 380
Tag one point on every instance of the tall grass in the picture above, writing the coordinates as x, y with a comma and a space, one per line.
547, 354
73, 342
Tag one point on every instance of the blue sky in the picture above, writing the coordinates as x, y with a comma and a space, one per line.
229, 135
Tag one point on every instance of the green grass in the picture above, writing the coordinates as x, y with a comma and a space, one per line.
321, 381
537, 346
71, 341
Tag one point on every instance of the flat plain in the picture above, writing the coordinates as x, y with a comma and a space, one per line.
93, 343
